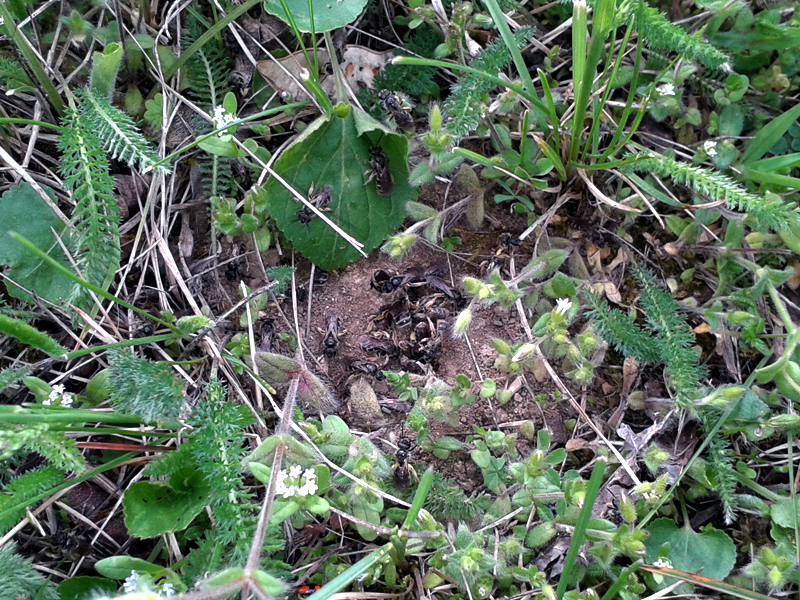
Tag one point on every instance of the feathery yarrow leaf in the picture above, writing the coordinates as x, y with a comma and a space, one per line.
618, 330
20, 493
19, 580
463, 106
143, 388
771, 213
658, 33
96, 215
117, 132
673, 338
55, 446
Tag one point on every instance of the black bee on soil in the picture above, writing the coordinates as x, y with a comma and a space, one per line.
365, 367
369, 343
394, 106
320, 199
330, 344
267, 331
399, 314
320, 277
232, 266
385, 282
240, 171
417, 277
402, 472
379, 171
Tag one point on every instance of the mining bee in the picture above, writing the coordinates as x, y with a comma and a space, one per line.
379, 171
399, 313
369, 343
330, 343
384, 282
267, 332
402, 472
320, 277
397, 109
365, 367
320, 199
232, 266
417, 277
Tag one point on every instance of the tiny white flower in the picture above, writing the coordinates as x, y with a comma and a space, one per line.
222, 118
66, 400
130, 583
47, 401
295, 471
481, 592
169, 590
303, 491
563, 305
667, 89
2, 21
663, 563
280, 488
311, 487
282, 475
58, 390
310, 475
710, 147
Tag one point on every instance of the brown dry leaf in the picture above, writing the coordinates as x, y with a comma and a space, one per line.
630, 369
794, 280
186, 237
704, 328
612, 293
360, 66
577, 444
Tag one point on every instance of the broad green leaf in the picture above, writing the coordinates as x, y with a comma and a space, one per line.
328, 14
86, 588
712, 550
334, 150
120, 567
153, 509
785, 513
25, 213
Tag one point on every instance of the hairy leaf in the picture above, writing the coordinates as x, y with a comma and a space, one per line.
334, 150
25, 213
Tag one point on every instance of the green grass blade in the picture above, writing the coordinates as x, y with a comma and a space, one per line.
35, 66
579, 535
769, 135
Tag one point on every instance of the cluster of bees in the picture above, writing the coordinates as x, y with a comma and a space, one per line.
409, 326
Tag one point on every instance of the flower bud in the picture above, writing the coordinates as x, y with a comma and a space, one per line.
775, 578
473, 286
785, 422
525, 352
462, 323
740, 318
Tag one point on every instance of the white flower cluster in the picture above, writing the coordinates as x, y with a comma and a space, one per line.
563, 305
710, 147
169, 590
663, 563
668, 89
222, 118
58, 392
300, 483
131, 582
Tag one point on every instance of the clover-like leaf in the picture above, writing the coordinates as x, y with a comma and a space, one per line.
328, 14
25, 213
334, 150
